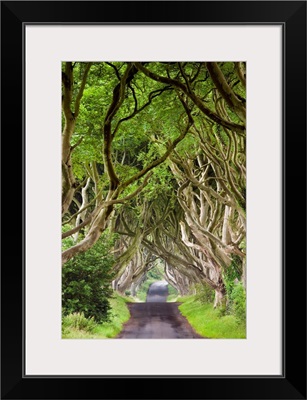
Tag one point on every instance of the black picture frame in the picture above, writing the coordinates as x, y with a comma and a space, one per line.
292, 383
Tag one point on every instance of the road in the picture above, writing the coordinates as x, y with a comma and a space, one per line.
157, 319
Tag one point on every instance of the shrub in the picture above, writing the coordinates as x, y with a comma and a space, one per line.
204, 293
231, 276
172, 290
238, 298
155, 273
86, 283
222, 311
79, 322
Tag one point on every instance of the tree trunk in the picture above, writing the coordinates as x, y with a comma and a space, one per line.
220, 297
68, 179
82, 215
98, 226
244, 273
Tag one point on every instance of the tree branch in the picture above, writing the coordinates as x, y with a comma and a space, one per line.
197, 101
81, 89
231, 99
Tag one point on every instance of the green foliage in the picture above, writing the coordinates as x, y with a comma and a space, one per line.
86, 282
161, 183
222, 310
172, 293
172, 290
243, 245
204, 293
67, 242
77, 321
232, 275
119, 314
207, 322
141, 138
143, 289
238, 298
153, 275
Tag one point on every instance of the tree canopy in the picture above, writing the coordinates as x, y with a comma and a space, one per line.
155, 152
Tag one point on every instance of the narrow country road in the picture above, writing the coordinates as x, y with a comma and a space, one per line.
157, 319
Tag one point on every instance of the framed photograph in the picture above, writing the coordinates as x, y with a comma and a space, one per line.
158, 150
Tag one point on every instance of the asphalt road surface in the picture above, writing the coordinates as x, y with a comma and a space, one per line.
157, 319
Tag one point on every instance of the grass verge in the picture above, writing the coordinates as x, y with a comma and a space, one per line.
207, 321
119, 315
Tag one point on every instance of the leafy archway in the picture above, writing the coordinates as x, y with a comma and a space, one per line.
154, 156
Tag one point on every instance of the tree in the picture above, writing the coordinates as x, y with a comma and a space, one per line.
156, 152
99, 217
86, 282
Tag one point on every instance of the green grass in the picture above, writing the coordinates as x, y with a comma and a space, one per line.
207, 322
119, 315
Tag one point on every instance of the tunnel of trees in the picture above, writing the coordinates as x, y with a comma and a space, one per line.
154, 171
